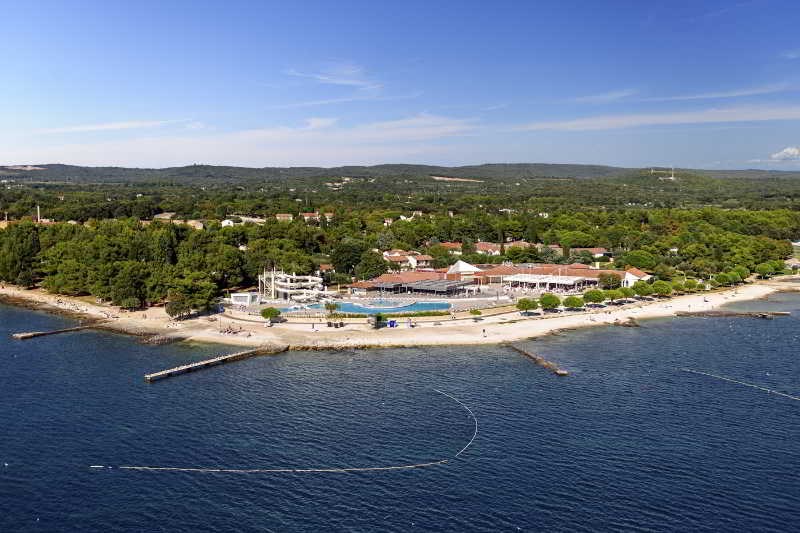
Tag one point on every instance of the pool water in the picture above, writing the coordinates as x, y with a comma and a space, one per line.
384, 306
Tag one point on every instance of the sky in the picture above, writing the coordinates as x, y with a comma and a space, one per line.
700, 84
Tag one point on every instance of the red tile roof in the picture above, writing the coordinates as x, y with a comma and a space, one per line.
636, 272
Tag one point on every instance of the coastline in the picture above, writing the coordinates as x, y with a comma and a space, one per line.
499, 328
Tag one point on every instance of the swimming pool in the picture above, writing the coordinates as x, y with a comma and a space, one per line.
384, 306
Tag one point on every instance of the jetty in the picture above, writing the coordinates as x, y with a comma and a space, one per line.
33, 334
747, 314
541, 361
215, 361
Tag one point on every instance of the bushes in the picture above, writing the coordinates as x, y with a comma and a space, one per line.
527, 304
594, 296
573, 302
642, 288
549, 301
270, 313
662, 288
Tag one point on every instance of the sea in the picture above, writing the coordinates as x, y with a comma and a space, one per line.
682, 424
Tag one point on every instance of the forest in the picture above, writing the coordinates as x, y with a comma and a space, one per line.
101, 240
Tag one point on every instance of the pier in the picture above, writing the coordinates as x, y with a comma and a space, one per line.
33, 334
541, 361
220, 360
747, 314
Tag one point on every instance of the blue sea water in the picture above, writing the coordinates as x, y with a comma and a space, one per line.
627, 442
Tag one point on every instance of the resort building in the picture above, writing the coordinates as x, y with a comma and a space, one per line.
403, 260
463, 271
488, 248
284, 217
310, 217
245, 299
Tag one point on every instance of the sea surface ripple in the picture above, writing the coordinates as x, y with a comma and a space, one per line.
627, 442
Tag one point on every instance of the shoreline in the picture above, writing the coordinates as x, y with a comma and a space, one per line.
498, 328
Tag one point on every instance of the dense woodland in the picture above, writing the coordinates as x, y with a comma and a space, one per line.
693, 226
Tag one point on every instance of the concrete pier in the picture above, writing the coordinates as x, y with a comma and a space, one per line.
33, 334
221, 360
541, 361
746, 314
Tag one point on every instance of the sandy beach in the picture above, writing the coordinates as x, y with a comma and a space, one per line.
505, 327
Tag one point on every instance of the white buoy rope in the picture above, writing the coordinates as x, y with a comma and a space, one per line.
751, 385
312, 470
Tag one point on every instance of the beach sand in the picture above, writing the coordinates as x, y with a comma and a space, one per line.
506, 327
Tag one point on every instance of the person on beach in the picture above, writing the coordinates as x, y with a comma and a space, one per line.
484, 332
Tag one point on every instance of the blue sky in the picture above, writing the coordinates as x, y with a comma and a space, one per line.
710, 84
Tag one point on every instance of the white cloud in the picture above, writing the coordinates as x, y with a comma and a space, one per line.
791, 54
734, 93
790, 153
340, 74
707, 116
110, 126
319, 141
318, 123
359, 97
603, 98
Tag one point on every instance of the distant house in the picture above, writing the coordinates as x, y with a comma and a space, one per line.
387, 222
251, 220
329, 217
284, 217
228, 223
555, 247
596, 252
424, 261
407, 260
164, 216
488, 248
194, 224
310, 217
632, 275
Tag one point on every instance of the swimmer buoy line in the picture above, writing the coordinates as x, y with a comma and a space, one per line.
751, 385
312, 470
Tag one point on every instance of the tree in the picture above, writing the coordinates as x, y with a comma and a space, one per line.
640, 259
609, 280
371, 265
662, 288
176, 308
549, 301
131, 303
527, 304
270, 313
627, 292
594, 296
722, 279
642, 288
734, 277
765, 270
347, 254
613, 294
690, 285
573, 302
